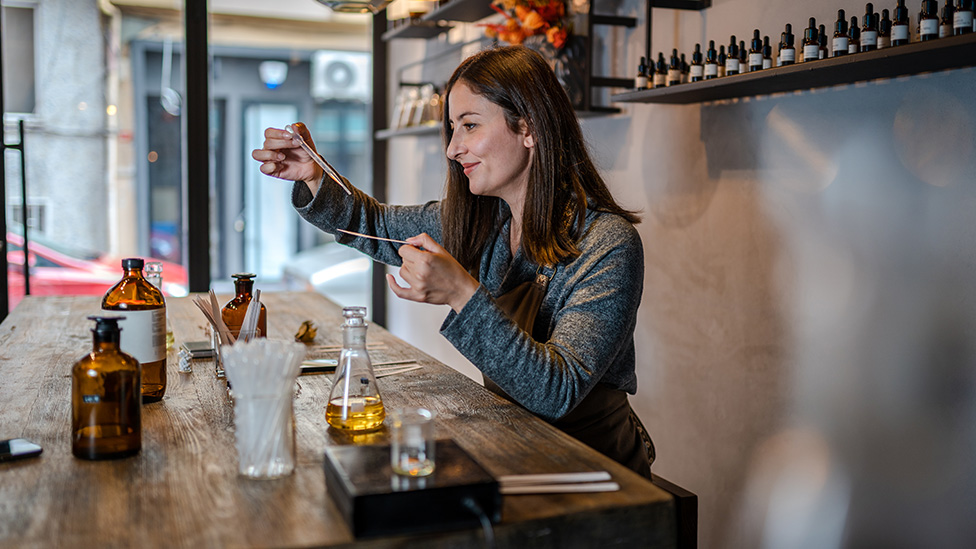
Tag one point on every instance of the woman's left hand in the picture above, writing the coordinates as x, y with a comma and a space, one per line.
433, 274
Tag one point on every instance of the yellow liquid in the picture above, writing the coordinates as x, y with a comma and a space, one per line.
362, 413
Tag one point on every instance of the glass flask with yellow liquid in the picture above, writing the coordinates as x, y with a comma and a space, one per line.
354, 402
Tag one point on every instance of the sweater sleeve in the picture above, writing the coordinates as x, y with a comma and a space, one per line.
592, 329
331, 208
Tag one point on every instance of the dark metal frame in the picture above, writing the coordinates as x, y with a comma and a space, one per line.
196, 124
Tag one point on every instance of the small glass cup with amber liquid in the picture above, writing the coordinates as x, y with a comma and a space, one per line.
355, 403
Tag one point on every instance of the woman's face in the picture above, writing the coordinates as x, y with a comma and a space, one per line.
495, 159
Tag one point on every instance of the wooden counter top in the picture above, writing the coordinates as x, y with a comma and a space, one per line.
183, 490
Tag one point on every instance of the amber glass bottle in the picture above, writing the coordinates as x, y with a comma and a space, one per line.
235, 309
144, 309
106, 419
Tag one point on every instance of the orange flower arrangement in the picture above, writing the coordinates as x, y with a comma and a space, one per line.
525, 18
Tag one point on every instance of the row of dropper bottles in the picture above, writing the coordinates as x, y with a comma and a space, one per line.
878, 31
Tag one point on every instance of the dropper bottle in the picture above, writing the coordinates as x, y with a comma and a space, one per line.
928, 20
900, 34
787, 53
674, 69
743, 57
822, 41
869, 33
884, 31
732, 61
767, 53
640, 81
661, 72
756, 52
854, 44
711, 61
962, 19
841, 40
811, 43
696, 72
685, 69
945, 25
722, 61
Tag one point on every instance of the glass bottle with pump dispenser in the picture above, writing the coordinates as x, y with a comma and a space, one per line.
354, 403
234, 311
144, 308
106, 408
900, 34
841, 39
811, 42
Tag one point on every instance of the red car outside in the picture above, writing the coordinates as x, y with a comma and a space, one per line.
58, 270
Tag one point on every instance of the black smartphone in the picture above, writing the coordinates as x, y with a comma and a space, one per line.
18, 448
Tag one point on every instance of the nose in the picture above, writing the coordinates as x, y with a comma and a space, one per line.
456, 147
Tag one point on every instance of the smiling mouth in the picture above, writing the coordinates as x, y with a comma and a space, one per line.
468, 168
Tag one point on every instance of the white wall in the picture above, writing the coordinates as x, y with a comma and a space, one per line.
806, 346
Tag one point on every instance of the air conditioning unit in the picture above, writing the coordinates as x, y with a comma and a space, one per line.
341, 75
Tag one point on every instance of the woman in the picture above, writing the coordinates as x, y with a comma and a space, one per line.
541, 268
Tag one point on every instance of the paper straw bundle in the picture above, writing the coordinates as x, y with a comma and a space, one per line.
262, 373
211, 310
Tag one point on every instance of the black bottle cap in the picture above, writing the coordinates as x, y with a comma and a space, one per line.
789, 35
696, 57
721, 54
243, 276
130, 263
810, 33
870, 18
662, 65
107, 326
642, 66
742, 50
674, 63
841, 24
756, 40
733, 47
711, 55
684, 64
855, 30
823, 35
901, 12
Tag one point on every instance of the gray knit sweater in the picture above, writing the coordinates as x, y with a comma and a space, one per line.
587, 317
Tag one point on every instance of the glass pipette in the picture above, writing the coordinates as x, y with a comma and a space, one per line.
329, 170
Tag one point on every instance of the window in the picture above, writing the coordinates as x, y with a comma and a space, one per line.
18, 59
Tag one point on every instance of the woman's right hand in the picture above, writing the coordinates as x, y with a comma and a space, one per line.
282, 157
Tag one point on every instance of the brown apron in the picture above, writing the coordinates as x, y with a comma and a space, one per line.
604, 419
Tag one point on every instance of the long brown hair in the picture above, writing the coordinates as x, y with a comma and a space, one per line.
563, 181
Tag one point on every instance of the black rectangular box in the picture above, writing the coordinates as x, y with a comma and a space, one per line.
376, 502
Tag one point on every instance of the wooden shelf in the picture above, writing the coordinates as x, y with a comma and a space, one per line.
465, 11
953, 52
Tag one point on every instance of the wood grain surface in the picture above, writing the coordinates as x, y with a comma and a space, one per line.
183, 488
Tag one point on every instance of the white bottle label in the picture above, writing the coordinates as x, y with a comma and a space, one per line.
659, 80
143, 334
755, 60
945, 30
788, 55
962, 19
884, 42
731, 65
640, 82
674, 76
869, 38
811, 52
767, 63
697, 71
840, 43
852, 48
929, 26
711, 69
899, 32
